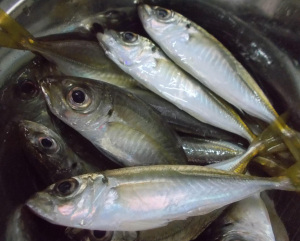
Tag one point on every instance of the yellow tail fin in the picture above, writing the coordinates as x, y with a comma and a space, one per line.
12, 34
289, 136
293, 173
265, 144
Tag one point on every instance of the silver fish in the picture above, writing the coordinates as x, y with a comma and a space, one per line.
145, 62
204, 151
23, 225
50, 155
119, 124
141, 198
205, 58
246, 220
20, 96
182, 121
278, 227
72, 57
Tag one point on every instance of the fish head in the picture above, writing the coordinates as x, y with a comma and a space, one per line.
126, 49
71, 202
21, 96
162, 23
50, 153
77, 102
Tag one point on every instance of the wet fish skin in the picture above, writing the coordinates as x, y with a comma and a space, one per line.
205, 151
85, 59
279, 230
72, 57
246, 220
21, 97
181, 121
148, 65
54, 162
23, 225
123, 199
120, 125
204, 57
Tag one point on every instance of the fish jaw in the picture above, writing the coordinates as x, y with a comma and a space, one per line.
107, 40
42, 205
49, 90
145, 14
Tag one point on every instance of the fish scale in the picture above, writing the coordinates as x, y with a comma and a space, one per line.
146, 197
205, 58
159, 74
119, 124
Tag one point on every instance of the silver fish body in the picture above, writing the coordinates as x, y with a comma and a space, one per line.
141, 198
278, 227
182, 121
23, 225
50, 155
245, 220
204, 151
120, 125
147, 64
84, 59
204, 57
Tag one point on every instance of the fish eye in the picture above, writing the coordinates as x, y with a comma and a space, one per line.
66, 187
99, 235
78, 98
27, 88
162, 13
48, 144
129, 37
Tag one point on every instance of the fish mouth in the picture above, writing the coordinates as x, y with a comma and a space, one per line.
107, 40
45, 84
41, 205
145, 12
46, 90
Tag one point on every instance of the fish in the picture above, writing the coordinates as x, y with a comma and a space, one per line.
145, 197
204, 57
23, 225
50, 155
205, 151
278, 227
119, 124
145, 62
80, 58
246, 220
21, 96
182, 121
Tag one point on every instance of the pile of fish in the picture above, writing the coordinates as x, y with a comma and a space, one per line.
142, 138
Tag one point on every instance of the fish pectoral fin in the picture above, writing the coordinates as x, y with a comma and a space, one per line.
142, 225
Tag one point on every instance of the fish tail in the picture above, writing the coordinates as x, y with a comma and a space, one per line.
12, 34
266, 143
291, 139
291, 178
269, 165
